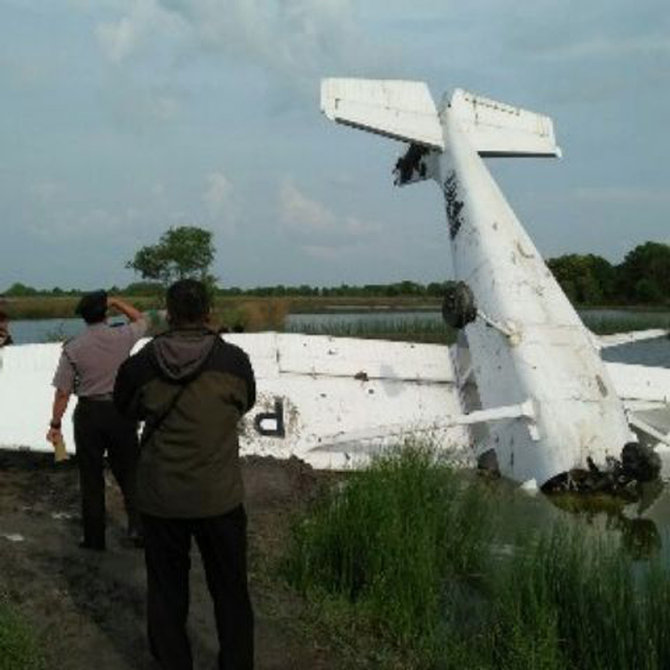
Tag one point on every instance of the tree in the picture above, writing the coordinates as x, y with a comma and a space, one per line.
19, 290
644, 275
182, 252
584, 278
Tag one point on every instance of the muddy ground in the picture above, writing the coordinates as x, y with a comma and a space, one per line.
89, 608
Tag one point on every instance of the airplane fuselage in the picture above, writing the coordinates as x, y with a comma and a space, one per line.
528, 342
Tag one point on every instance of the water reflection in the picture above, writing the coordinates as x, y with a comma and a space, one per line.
640, 535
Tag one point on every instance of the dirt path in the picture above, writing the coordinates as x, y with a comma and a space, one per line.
89, 608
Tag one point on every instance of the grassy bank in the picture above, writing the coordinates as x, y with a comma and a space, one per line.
379, 550
19, 648
232, 307
411, 330
407, 553
38, 307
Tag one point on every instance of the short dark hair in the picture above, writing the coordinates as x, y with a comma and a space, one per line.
93, 306
188, 301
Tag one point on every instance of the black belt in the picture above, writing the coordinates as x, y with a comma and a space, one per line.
101, 397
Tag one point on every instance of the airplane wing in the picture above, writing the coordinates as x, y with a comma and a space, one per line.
655, 423
640, 385
401, 110
645, 392
607, 341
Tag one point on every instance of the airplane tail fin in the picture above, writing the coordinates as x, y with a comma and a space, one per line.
402, 110
497, 129
405, 110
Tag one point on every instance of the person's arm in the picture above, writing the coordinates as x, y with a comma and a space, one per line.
60, 402
63, 382
139, 323
125, 308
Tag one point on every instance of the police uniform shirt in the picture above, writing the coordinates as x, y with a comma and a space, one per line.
89, 362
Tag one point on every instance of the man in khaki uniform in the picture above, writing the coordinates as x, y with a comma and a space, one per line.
87, 368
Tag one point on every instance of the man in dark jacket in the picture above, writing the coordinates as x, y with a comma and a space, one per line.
191, 388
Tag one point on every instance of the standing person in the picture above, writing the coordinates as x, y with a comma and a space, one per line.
5, 335
88, 367
191, 388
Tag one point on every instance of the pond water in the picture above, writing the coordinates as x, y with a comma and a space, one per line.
652, 352
36, 331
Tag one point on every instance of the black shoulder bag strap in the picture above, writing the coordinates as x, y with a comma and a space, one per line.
151, 428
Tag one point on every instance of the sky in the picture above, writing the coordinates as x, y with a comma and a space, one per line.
122, 118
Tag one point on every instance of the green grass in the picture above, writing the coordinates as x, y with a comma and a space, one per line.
567, 599
40, 307
410, 330
19, 648
436, 332
385, 542
406, 554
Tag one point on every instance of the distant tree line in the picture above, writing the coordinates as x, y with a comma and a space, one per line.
643, 277
404, 288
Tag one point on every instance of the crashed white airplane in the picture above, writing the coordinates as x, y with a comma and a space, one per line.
552, 405
526, 380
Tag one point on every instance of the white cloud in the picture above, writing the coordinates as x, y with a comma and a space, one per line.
295, 37
117, 39
143, 22
296, 40
218, 194
299, 213
308, 217
220, 201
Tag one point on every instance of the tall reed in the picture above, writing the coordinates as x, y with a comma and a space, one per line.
409, 550
432, 331
387, 539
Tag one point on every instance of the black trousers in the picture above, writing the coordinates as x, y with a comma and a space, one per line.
222, 544
99, 428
